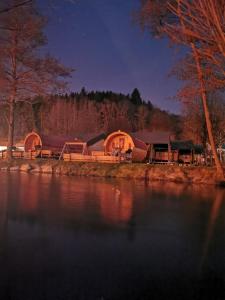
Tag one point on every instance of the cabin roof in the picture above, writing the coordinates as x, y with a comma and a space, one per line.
153, 137
57, 142
139, 143
187, 145
199, 149
54, 141
92, 139
50, 142
182, 145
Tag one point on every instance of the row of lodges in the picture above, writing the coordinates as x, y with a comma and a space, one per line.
118, 146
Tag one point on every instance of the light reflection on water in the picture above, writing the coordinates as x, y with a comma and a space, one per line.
86, 238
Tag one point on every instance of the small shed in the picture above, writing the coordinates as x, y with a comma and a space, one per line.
183, 151
39, 145
159, 144
124, 145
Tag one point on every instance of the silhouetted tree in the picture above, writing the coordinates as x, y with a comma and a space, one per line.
24, 72
198, 25
136, 97
83, 92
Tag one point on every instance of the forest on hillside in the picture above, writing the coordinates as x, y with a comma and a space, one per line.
88, 112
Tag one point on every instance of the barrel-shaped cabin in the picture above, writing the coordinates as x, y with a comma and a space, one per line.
39, 145
125, 146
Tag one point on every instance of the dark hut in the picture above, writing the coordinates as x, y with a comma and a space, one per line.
158, 143
186, 152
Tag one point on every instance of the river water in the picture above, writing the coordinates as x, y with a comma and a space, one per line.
86, 238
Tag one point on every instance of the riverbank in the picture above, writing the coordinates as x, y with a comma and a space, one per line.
173, 173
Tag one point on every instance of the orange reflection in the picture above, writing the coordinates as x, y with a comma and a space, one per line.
211, 225
73, 194
179, 189
116, 204
29, 193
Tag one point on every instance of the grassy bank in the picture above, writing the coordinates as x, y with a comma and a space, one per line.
175, 173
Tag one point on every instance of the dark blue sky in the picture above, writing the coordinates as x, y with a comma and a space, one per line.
109, 51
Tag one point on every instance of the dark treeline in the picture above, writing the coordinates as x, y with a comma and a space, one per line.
88, 112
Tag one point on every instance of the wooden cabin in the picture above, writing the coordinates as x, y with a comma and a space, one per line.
158, 143
199, 154
183, 152
163, 148
38, 145
125, 146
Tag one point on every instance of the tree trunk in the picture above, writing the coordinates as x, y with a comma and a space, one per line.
219, 168
11, 128
12, 97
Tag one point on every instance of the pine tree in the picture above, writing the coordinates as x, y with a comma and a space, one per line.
136, 97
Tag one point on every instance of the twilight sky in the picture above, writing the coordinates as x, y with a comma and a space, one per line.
109, 52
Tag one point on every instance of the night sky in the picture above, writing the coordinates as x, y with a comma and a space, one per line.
109, 51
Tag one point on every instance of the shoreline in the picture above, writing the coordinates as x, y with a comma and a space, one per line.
138, 171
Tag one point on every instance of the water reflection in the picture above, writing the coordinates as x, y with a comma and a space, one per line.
214, 213
97, 238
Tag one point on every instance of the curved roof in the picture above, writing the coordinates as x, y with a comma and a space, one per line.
49, 142
92, 139
136, 142
154, 137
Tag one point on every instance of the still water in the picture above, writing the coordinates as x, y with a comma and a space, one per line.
67, 238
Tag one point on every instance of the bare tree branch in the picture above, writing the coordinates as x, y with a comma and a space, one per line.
8, 9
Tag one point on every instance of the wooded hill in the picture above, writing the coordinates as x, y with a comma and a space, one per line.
88, 112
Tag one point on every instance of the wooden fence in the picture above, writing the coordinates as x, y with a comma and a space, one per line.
91, 158
15, 154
